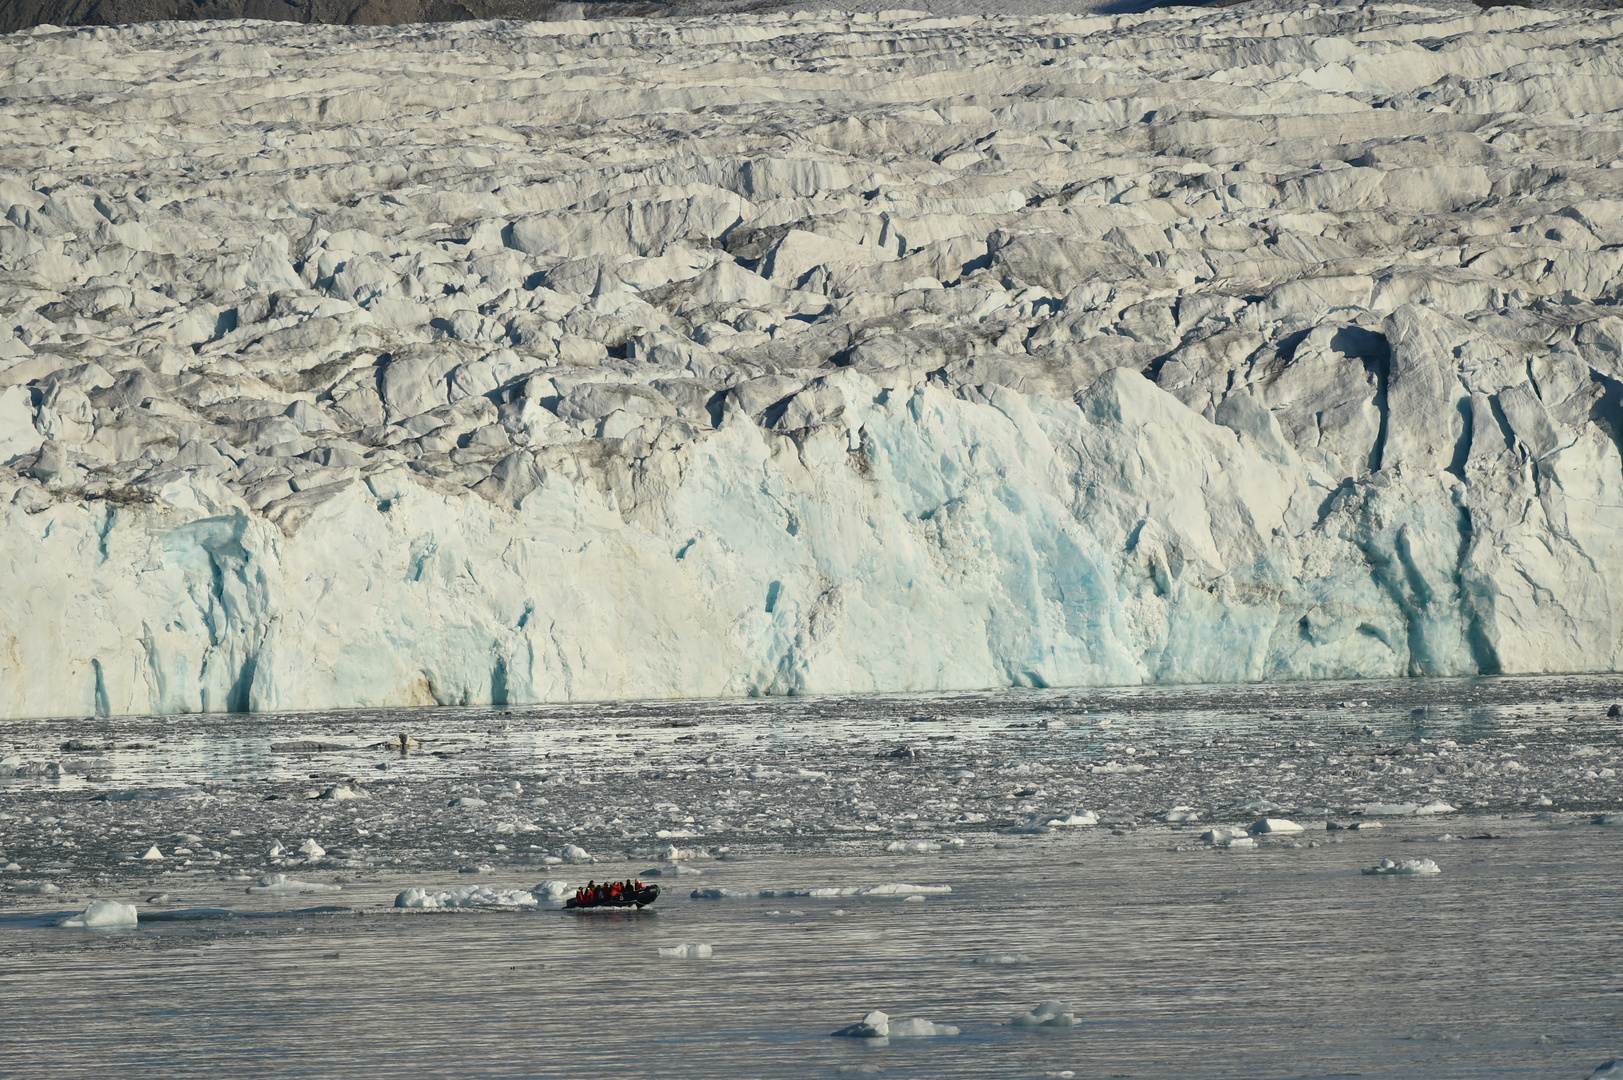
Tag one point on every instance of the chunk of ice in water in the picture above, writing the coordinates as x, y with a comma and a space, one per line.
1222, 834
276, 851
689, 951
571, 853
281, 883
913, 847
876, 1025
1612, 820
1404, 866
36, 888
1086, 817
905, 890
551, 890
1003, 958
1275, 825
312, 850
102, 913
1608, 1070
462, 898
1049, 1014
920, 1028
467, 802
152, 854
677, 870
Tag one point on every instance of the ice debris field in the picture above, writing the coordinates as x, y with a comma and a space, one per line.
1016, 883
502, 363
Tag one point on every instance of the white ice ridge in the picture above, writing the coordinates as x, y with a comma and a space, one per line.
507, 362
689, 951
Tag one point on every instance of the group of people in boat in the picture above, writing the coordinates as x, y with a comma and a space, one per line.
607, 893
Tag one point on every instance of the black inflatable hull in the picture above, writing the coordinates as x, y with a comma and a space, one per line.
641, 898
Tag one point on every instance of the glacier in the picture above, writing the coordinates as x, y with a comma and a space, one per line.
801, 353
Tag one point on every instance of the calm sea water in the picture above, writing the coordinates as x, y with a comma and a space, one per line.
1178, 958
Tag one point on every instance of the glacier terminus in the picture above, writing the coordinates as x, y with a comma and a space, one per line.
503, 363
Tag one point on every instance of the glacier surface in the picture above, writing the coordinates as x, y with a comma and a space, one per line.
767, 354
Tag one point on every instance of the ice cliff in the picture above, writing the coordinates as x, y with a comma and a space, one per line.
773, 354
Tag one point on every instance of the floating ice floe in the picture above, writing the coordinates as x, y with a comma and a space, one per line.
1065, 821
465, 898
152, 854
691, 951
570, 853
1399, 867
920, 1028
276, 850
913, 847
1049, 1014
1613, 820
551, 891
676, 870
1608, 1070
875, 1026
1272, 826
1002, 958
346, 791
1111, 767
281, 883
1181, 815
467, 802
896, 890
825, 892
312, 850
1406, 809
36, 888
102, 913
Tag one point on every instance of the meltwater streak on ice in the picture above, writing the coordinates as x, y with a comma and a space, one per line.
1176, 955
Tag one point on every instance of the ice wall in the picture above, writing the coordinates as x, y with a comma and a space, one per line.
522, 362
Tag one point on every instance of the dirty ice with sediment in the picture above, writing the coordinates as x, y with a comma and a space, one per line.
813, 353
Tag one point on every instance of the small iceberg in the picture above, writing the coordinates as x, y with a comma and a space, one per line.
1275, 826
102, 913
1608, 1070
281, 883
1002, 958
1049, 1014
874, 1027
913, 847
1399, 867
312, 850
465, 898
551, 891
692, 951
920, 1028
1066, 821
152, 854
